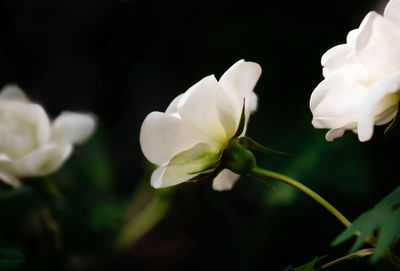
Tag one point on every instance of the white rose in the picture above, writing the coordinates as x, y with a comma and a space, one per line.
198, 125
30, 145
362, 78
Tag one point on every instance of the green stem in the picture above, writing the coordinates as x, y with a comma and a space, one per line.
259, 172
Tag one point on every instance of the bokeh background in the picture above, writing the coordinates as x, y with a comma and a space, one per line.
123, 59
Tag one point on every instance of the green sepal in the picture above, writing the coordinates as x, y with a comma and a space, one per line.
310, 266
393, 123
250, 144
237, 158
242, 120
206, 176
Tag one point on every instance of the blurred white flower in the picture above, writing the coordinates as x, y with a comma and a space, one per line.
31, 146
362, 78
197, 126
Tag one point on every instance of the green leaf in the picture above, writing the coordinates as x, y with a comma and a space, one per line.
250, 144
384, 218
242, 121
10, 258
308, 266
356, 255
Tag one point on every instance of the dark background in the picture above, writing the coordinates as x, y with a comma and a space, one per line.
123, 59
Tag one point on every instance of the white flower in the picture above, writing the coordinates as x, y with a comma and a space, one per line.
362, 78
30, 145
198, 125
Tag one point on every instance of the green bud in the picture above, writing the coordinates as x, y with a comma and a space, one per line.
237, 158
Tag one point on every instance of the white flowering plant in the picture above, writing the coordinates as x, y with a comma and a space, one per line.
30, 144
362, 78
203, 137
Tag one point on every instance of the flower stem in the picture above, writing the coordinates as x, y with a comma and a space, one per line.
259, 172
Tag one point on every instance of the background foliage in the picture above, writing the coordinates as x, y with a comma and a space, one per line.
124, 59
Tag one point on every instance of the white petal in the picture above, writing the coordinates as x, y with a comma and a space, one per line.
241, 78
71, 128
341, 58
378, 46
225, 180
365, 30
13, 92
334, 133
253, 102
335, 102
172, 108
9, 179
34, 116
352, 37
8, 171
162, 136
238, 83
336, 56
156, 177
383, 95
339, 131
43, 124
229, 111
43, 161
198, 108
185, 166
392, 11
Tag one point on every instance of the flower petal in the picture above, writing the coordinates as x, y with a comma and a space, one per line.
229, 111
156, 177
336, 56
241, 78
365, 30
43, 161
377, 45
34, 116
342, 58
335, 102
43, 124
8, 171
339, 131
13, 92
392, 11
237, 85
253, 102
162, 136
382, 96
198, 108
172, 108
225, 180
185, 166
71, 128
352, 37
